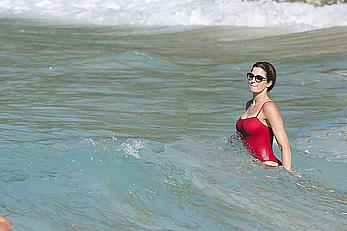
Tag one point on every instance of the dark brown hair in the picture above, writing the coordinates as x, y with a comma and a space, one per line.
269, 70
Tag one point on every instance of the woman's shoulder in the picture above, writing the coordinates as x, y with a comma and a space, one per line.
270, 107
270, 102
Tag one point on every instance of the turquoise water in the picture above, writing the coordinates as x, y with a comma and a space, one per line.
126, 128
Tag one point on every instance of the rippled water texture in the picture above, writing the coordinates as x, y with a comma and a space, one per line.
125, 128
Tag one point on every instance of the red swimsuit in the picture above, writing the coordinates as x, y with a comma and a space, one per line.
257, 137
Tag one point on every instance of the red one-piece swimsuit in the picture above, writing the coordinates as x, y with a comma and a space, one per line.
257, 137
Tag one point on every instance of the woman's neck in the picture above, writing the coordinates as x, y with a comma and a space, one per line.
260, 97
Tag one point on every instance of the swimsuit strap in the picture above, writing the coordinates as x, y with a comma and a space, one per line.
262, 107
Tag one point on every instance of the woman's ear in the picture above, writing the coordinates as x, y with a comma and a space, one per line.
268, 84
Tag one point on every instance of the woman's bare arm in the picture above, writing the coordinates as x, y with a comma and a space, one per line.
274, 118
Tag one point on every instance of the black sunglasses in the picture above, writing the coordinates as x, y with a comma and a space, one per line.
258, 78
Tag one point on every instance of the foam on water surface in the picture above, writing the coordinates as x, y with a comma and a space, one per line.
295, 16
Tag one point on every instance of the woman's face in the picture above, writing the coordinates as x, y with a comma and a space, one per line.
256, 87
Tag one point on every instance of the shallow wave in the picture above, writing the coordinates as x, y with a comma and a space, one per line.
297, 16
329, 145
134, 184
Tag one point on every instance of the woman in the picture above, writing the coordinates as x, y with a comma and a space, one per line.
262, 120
5, 224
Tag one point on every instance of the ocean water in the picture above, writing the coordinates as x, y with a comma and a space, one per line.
121, 116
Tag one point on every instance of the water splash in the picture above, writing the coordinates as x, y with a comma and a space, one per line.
132, 147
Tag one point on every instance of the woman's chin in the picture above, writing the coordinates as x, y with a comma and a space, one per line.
253, 89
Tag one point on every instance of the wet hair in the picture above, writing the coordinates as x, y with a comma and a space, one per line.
269, 70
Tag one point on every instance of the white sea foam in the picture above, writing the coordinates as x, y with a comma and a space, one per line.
132, 147
178, 12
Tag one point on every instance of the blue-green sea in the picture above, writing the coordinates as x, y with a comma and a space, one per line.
132, 128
